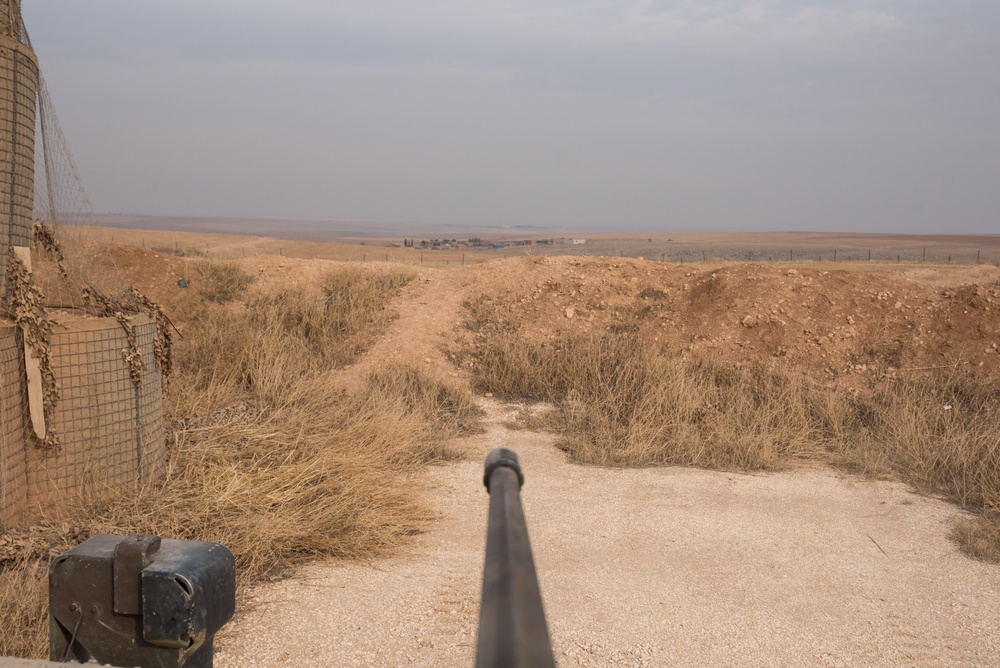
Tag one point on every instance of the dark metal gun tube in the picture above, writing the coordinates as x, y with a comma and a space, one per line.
512, 628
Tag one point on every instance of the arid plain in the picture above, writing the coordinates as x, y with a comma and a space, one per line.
728, 462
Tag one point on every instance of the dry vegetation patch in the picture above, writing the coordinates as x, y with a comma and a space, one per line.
619, 401
283, 334
631, 386
223, 281
271, 453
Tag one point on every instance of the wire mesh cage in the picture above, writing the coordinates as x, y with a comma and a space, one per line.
81, 405
110, 427
13, 481
18, 96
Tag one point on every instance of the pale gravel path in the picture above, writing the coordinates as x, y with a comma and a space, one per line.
654, 567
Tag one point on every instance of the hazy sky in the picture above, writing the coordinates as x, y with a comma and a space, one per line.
861, 115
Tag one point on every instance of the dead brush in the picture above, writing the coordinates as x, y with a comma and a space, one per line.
354, 297
621, 401
24, 619
264, 346
223, 281
939, 432
321, 474
448, 408
271, 454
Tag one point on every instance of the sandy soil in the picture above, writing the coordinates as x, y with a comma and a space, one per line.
653, 567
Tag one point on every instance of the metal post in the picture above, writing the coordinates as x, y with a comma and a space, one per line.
512, 628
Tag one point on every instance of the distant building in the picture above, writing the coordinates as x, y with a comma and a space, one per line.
574, 242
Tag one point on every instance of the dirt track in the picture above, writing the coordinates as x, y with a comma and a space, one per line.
654, 567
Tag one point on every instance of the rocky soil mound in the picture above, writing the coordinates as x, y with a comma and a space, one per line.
842, 325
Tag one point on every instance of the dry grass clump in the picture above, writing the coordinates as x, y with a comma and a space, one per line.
223, 281
938, 432
24, 618
619, 400
321, 474
24, 558
276, 338
448, 409
271, 454
980, 538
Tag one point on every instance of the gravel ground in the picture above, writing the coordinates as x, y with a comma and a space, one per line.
653, 567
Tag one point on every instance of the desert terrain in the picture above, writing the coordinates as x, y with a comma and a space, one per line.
367, 242
812, 315
809, 552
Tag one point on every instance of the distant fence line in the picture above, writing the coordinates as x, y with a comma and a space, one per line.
882, 256
456, 258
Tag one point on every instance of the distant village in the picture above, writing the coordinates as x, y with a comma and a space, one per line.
477, 242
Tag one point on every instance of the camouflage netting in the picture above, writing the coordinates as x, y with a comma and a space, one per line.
75, 337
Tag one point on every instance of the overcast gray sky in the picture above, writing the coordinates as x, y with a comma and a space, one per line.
863, 115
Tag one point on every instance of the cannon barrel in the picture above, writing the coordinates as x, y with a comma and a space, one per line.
512, 628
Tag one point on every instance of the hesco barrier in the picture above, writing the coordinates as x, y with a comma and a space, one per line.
13, 483
18, 94
110, 431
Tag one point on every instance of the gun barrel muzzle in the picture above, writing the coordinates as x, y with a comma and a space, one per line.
512, 628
